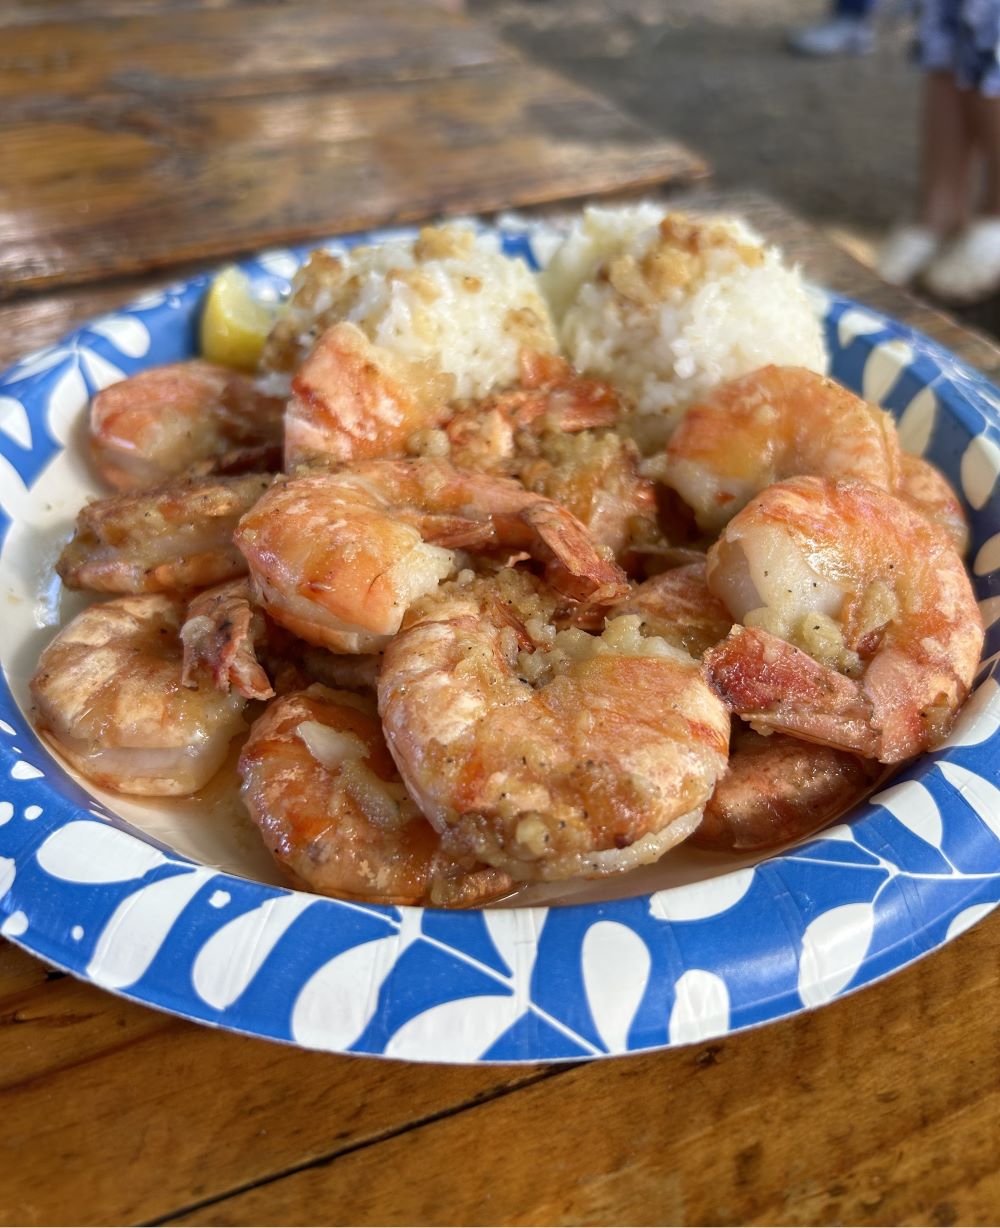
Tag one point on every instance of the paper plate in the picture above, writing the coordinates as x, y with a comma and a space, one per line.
176, 905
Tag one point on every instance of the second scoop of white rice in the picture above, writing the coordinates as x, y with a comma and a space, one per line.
666, 306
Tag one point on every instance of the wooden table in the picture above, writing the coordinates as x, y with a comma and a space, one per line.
880, 1108
138, 135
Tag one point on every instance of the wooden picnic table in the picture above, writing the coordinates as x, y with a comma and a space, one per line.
880, 1108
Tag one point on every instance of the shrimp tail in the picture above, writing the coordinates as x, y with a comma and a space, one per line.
576, 570
455, 532
773, 684
219, 635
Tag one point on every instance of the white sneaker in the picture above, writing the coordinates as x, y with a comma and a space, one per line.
969, 268
906, 252
839, 36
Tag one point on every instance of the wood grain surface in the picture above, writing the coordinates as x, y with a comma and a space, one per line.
142, 135
139, 139
881, 1108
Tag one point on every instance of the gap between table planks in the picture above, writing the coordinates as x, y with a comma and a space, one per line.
140, 140
876, 1109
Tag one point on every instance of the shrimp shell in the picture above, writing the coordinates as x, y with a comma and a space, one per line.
321, 786
108, 694
156, 424
337, 558
353, 400
177, 536
777, 789
602, 767
844, 556
776, 422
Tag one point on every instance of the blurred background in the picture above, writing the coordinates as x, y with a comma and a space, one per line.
834, 137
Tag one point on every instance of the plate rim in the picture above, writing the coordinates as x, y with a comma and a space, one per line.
981, 420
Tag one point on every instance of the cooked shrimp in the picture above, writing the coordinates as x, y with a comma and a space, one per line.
541, 433
352, 400
775, 423
337, 558
324, 791
777, 789
861, 629
678, 607
172, 537
221, 633
342, 672
158, 423
108, 694
595, 475
927, 490
548, 755
549, 396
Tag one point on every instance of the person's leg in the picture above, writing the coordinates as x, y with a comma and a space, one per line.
969, 269
947, 154
857, 9
985, 117
947, 163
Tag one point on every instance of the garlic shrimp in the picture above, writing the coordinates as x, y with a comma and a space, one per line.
549, 396
926, 489
173, 537
861, 630
322, 788
778, 788
549, 755
353, 400
678, 606
220, 636
775, 423
158, 423
543, 432
337, 558
108, 694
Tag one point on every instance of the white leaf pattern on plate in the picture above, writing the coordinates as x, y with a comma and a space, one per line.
338, 1001
979, 719
980, 466
856, 322
139, 926
917, 422
988, 556
86, 852
883, 368
515, 935
616, 964
15, 925
982, 796
67, 401
14, 421
701, 1007
695, 901
967, 918
100, 372
232, 957
912, 805
471, 1026
128, 334
833, 948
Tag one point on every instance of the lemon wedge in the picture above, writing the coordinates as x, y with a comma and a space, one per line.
234, 325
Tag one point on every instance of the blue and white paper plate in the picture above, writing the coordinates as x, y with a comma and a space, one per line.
161, 902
